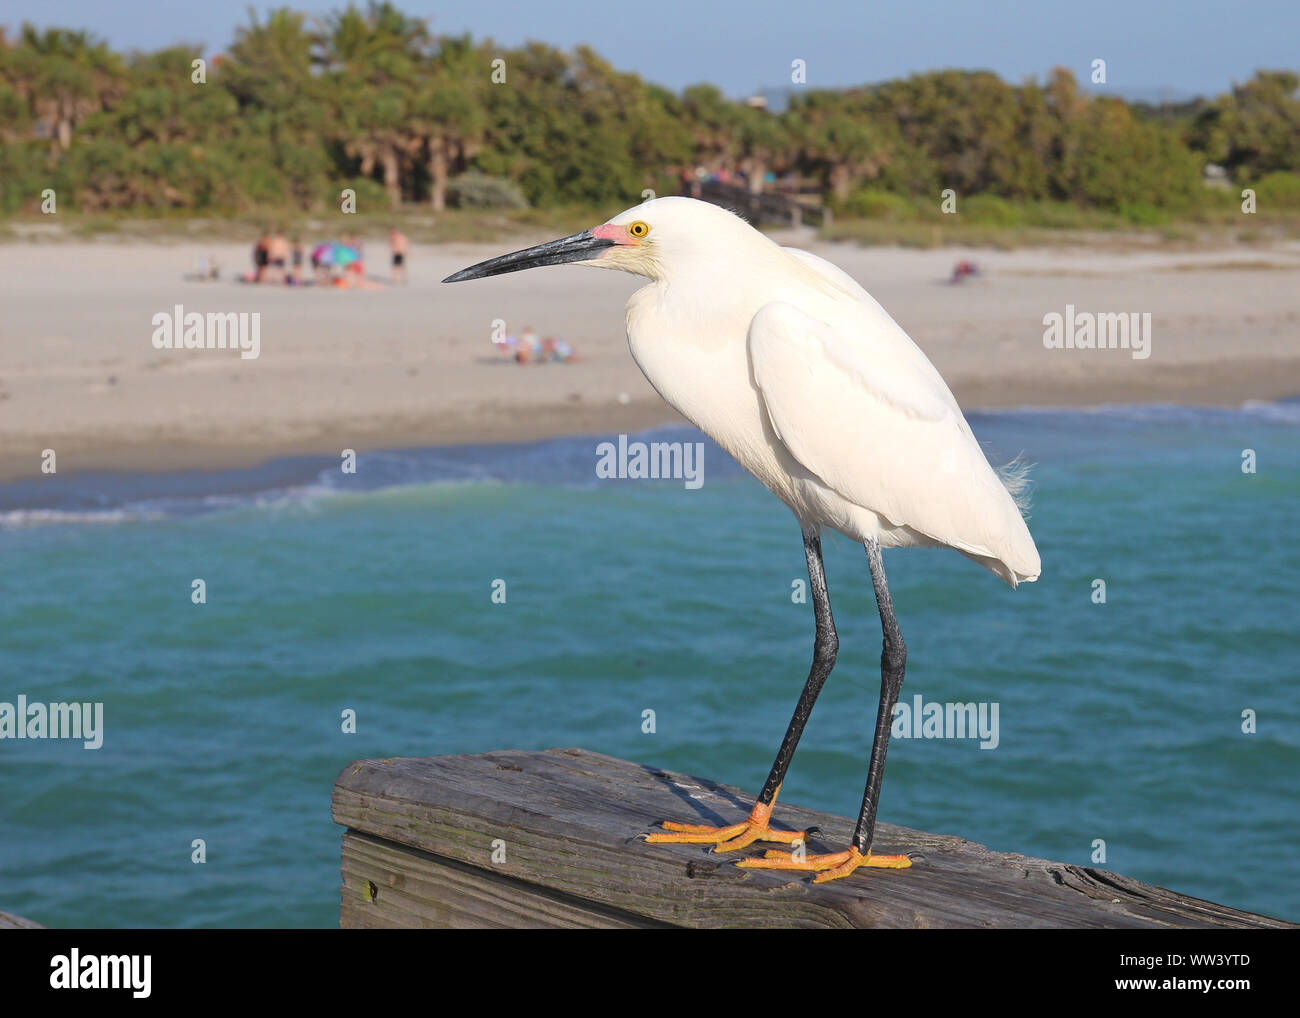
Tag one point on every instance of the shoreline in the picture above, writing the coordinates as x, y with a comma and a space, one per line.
140, 457
414, 366
141, 454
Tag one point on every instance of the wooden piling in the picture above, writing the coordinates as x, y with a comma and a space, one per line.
553, 839
9, 921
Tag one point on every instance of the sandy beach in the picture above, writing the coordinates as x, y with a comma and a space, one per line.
414, 365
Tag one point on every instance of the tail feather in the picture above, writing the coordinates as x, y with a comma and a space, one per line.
1015, 478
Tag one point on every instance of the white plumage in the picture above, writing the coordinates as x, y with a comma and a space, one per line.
797, 372
793, 368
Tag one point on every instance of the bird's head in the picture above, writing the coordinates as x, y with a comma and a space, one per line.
644, 240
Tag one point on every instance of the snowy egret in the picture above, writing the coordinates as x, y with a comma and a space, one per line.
796, 371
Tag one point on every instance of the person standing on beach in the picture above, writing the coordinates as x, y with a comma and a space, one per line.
401, 247
261, 255
278, 254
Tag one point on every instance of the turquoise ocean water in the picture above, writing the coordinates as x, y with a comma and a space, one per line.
1119, 721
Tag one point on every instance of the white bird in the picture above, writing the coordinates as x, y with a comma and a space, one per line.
795, 370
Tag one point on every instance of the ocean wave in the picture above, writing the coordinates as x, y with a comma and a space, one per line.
307, 483
1284, 411
17, 519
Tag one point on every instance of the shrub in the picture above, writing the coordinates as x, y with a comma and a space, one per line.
370, 195
990, 210
1143, 213
1278, 190
873, 203
479, 191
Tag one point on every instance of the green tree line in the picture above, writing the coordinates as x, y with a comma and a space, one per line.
370, 98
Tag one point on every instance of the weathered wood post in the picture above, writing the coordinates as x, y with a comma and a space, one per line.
554, 839
9, 921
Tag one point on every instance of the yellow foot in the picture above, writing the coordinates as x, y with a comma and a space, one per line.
728, 839
831, 866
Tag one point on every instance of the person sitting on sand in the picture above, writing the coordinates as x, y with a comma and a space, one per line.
320, 267
505, 346
531, 347
962, 270
560, 351
401, 247
356, 268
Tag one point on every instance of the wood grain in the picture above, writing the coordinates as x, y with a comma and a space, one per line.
9, 921
419, 853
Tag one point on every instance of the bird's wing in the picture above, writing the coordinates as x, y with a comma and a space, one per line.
831, 272
859, 405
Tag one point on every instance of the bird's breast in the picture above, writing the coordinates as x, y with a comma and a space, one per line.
701, 368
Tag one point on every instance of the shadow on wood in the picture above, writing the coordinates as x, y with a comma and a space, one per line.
527, 839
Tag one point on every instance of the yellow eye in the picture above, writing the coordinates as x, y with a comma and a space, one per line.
639, 229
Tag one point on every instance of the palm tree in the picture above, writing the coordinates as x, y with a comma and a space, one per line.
836, 135
15, 111
765, 144
64, 76
269, 63
715, 123
371, 60
450, 112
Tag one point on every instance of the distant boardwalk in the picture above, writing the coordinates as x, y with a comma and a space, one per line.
760, 209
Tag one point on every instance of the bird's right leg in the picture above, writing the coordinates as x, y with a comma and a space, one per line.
757, 828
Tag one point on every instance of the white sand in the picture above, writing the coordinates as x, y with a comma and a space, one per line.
414, 365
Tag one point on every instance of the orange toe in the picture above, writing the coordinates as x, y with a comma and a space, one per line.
727, 839
693, 834
828, 866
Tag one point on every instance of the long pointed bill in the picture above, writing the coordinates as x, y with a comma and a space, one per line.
578, 248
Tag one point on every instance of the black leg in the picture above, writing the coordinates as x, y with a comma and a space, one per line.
893, 659
825, 646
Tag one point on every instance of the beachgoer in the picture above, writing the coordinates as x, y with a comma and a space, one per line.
526, 346
278, 255
400, 247
962, 270
356, 268
261, 255
321, 260
531, 346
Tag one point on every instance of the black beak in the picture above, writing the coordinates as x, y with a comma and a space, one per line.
577, 248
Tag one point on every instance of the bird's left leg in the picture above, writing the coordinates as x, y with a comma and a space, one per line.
893, 660
757, 827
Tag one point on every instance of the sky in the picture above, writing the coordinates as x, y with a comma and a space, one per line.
1153, 50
